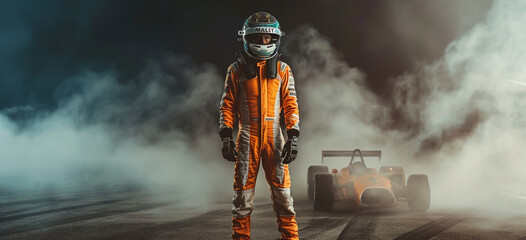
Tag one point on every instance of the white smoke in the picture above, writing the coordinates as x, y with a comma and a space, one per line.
459, 119
338, 111
154, 132
486, 162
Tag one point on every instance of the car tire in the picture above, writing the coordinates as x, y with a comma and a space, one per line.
311, 172
419, 193
323, 192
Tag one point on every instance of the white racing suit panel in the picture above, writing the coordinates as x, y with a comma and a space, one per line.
282, 202
243, 203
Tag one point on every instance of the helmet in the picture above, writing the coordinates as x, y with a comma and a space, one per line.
261, 23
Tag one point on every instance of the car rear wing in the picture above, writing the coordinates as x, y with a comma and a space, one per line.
350, 153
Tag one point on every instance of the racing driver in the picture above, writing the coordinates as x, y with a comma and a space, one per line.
257, 89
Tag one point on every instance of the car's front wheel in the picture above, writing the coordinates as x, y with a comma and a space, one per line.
419, 194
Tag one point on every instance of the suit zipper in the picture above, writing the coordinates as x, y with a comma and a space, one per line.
260, 110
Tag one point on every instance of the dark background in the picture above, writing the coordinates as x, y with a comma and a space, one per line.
43, 43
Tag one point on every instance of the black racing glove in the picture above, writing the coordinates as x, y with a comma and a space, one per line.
228, 150
290, 150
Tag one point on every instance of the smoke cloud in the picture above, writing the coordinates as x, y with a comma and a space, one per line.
458, 118
158, 131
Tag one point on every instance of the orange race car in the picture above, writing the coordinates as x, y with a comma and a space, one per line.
365, 187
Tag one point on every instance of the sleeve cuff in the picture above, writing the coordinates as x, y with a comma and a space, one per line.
225, 132
293, 133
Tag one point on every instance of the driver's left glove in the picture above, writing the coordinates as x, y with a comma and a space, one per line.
290, 150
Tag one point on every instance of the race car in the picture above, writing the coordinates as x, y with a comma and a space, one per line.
365, 187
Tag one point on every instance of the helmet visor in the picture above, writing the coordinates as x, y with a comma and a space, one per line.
262, 38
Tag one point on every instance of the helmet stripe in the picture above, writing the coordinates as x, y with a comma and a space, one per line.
269, 30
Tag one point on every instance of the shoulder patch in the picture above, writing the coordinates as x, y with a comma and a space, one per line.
235, 67
282, 66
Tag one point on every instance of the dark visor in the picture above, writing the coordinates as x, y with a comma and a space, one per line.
257, 38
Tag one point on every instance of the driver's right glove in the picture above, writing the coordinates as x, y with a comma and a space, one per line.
228, 150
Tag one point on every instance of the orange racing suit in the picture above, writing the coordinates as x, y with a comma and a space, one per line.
258, 103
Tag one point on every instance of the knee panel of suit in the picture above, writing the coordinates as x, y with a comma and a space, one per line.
243, 203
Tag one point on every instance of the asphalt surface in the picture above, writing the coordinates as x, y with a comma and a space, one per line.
128, 213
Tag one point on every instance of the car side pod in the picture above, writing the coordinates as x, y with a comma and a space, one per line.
396, 175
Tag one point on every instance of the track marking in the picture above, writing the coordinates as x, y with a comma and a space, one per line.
65, 198
318, 225
149, 231
101, 213
432, 228
360, 227
24, 215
